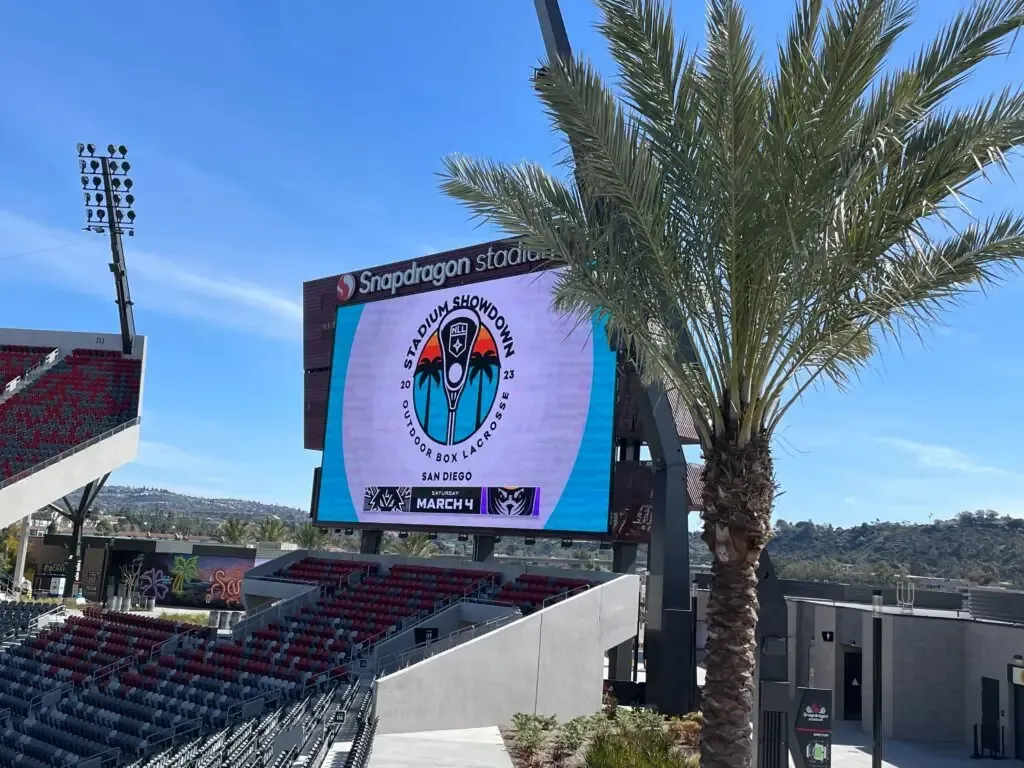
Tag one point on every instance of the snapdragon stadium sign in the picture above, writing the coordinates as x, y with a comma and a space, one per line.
371, 284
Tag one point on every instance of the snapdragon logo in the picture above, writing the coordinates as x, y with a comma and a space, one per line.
440, 272
436, 274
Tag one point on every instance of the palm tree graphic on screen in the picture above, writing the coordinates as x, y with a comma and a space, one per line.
460, 357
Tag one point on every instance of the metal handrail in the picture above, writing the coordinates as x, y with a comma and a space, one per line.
35, 701
276, 610
549, 601
109, 757
48, 361
69, 452
399, 658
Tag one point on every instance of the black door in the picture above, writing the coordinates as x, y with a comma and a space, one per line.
989, 715
1018, 722
853, 681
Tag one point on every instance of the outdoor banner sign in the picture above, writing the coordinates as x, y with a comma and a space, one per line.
811, 741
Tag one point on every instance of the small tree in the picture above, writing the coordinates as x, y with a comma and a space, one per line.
130, 575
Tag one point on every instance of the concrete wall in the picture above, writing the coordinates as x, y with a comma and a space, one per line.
37, 490
928, 690
551, 662
932, 667
989, 648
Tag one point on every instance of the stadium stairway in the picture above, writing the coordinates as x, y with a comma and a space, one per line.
75, 421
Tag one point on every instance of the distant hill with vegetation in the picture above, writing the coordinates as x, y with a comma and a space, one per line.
981, 547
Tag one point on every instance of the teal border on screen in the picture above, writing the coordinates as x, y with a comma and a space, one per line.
584, 503
335, 500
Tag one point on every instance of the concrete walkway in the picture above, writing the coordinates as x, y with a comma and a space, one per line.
851, 748
467, 748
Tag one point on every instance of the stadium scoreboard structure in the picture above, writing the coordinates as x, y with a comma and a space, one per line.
457, 399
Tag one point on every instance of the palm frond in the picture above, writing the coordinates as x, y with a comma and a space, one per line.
747, 230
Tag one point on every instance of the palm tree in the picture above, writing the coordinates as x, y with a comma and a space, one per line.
234, 531
272, 529
184, 570
414, 545
480, 366
428, 373
308, 536
747, 231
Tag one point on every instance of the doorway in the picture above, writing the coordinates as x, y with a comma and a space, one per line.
990, 715
853, 682
1018, 722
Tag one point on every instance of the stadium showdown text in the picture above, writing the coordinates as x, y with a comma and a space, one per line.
440, 272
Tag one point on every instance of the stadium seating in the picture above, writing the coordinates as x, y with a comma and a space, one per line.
122, 689
16, 617
530, 591
85, 395
15, 360
374, 606
331, 573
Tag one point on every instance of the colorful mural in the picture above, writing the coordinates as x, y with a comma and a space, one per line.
194, 580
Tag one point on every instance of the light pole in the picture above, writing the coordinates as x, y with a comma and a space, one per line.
876, 679
694, 697
108, 210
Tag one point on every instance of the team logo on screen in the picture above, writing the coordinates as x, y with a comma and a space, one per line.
511, 501
459, 378
380, 498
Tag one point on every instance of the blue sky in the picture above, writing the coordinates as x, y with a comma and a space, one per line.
276, 142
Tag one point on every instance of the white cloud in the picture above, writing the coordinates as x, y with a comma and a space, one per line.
171, 458
943, 457
71, 261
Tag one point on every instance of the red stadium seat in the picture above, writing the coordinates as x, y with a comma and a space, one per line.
82, 397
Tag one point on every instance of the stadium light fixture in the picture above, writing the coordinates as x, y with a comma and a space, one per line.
107, 188
109, 210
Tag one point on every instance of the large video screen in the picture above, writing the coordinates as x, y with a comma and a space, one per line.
470, 407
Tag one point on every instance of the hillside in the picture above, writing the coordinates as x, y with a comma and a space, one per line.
127, 500
980, 547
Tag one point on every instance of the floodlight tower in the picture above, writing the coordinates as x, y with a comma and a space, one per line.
109, 202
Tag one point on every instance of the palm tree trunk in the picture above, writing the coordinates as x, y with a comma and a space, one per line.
479, 400
739, 489
426, 410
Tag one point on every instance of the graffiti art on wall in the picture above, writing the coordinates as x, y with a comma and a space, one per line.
194, 580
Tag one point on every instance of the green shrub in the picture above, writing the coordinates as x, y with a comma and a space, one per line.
685, 732
529, 742
637, 748
574, 733
522, 720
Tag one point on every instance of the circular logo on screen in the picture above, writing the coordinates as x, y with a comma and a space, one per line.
460, 377
346, 288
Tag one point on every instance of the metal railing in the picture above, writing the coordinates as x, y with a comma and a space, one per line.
21, 380
276, 610
402, 659
563, 596
69, 452
109, 758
